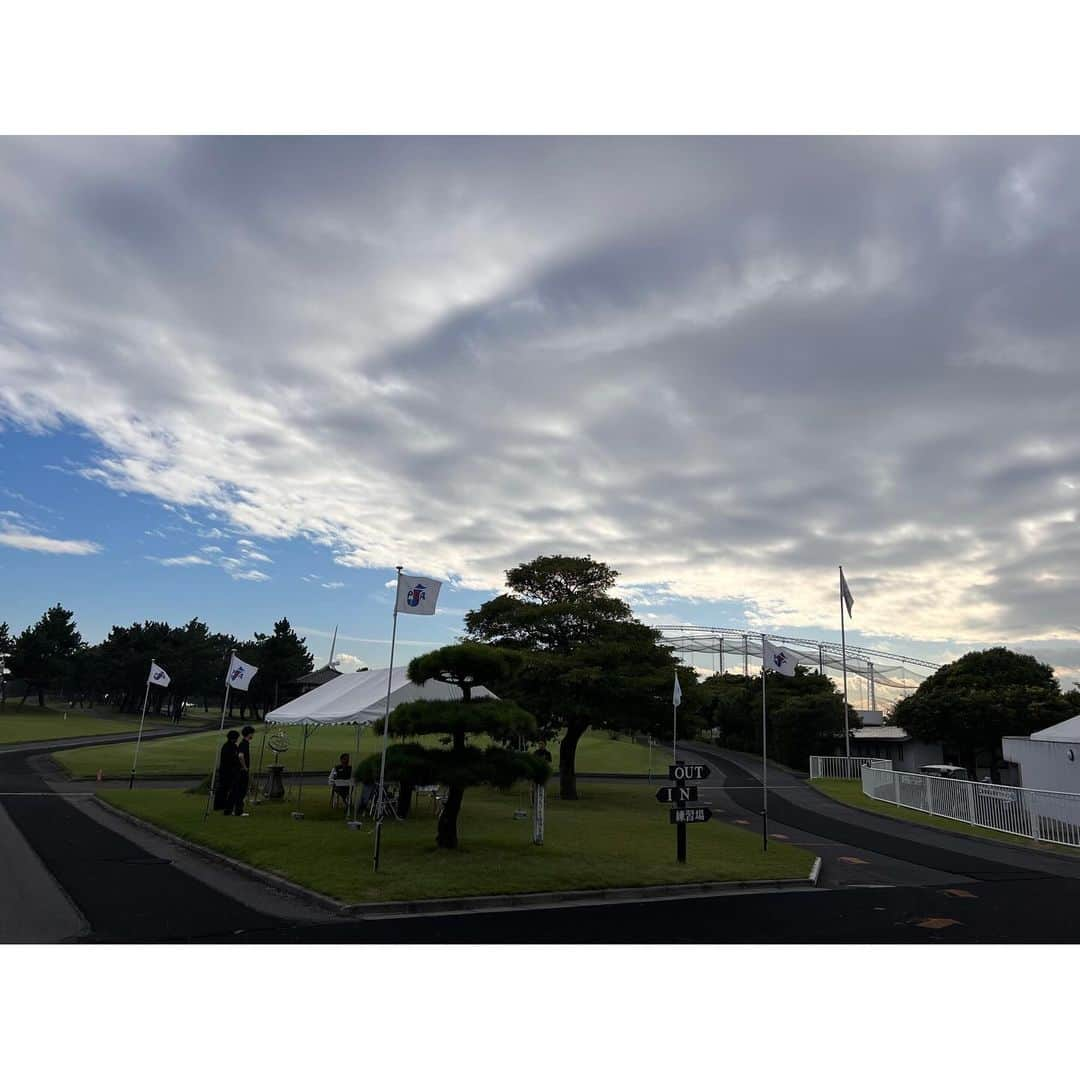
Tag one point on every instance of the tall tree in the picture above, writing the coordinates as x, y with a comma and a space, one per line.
972, 702
44, 653
583, 658
805, 714
281, 657
461, 766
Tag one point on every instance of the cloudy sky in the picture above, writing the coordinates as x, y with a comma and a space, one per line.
241, 378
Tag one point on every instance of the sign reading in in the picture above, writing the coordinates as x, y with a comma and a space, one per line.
681, 771
687, 815
677, 794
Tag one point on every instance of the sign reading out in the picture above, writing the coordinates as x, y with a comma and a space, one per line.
681, 771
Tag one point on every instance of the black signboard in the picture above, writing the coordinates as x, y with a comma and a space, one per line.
681, 793
680, 771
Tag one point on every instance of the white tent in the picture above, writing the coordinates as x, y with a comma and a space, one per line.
360, 698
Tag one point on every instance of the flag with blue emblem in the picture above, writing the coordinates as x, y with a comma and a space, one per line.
157, 676
776, 658
240, 674
417, 595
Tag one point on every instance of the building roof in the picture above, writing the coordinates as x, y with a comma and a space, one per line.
884, 732
1066, 731
318, 678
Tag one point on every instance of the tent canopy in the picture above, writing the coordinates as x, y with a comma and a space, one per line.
360, 698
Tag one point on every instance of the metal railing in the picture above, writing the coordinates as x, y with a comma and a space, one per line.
843, 768
1053, 816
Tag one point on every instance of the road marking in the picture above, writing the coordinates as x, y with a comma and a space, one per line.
937, 924
851, 859
962, 893
741, 821
779, 836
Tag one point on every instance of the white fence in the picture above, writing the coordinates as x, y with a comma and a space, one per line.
1053, 816
844, 768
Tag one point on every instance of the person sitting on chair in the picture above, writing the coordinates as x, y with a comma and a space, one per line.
340, 775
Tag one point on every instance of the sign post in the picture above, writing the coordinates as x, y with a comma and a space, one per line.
678, 795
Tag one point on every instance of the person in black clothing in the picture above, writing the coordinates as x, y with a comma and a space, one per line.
340, 775
543, 752
243, 773
228, 767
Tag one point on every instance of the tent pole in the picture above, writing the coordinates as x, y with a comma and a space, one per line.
258, 770
356, 762
303, 758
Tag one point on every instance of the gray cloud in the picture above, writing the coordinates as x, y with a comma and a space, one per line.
723, 365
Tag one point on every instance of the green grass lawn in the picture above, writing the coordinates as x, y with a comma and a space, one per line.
615, 835
33, 724
850, 792
188, 754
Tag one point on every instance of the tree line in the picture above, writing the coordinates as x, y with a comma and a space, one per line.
51, 658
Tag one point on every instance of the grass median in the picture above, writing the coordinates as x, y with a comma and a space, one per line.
30, 723
851, 793
187, 755
614, 835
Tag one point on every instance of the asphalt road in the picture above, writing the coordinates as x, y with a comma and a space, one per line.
883, 881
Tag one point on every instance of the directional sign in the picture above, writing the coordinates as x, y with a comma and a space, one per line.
680, 793
688, 815
681, 771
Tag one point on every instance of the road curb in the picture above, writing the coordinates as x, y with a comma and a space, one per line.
464, 905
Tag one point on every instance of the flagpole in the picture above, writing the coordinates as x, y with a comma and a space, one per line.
764, 760
224, 709
142, 720
380, 793
674, 731
843, 649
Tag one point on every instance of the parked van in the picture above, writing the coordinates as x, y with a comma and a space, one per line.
946, 772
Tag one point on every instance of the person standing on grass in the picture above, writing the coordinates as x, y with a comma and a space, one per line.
543, 752
228, 767
243, 772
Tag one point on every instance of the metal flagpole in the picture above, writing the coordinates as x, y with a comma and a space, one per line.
764, 760
843, 648
142, 720
674, 731
380, 793
217, 749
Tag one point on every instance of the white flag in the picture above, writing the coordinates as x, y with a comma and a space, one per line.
240, 674
676, 696
845, 592
158, 676
776, 658
417, 595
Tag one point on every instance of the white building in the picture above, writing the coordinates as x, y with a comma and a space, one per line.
1049, 760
